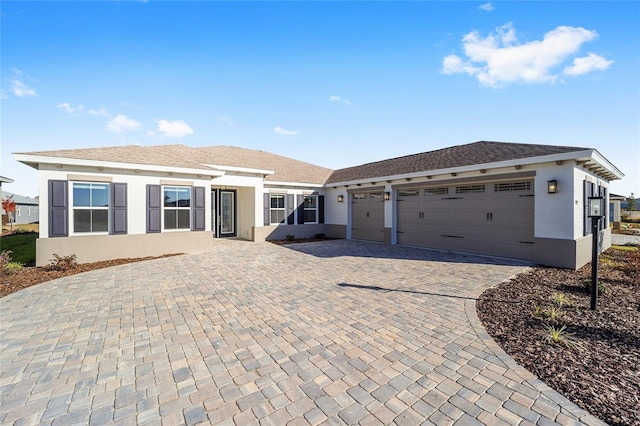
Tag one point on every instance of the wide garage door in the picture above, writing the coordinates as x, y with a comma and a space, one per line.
492, 218
367, 216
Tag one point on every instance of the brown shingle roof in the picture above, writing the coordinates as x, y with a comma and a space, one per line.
456, 156
286, 169
160, 155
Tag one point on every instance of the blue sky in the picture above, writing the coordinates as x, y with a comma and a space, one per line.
333, 83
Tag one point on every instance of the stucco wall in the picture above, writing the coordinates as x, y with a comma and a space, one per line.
92, 248
136, 194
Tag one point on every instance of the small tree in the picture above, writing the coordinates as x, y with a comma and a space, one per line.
631, 202
9, 207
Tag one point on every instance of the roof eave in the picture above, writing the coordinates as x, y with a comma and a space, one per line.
612, 172
35, 161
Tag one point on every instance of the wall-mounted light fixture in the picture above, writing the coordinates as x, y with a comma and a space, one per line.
340, 198
552, 186
387, 196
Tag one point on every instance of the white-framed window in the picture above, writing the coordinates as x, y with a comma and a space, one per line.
177, 207
277, 211
18, 211
90, 207
310, 209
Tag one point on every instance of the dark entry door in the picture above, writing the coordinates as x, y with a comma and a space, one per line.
224, 214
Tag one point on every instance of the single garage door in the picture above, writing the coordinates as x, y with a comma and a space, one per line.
492, 218
367, 216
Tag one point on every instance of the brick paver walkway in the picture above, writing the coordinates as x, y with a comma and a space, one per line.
337, 332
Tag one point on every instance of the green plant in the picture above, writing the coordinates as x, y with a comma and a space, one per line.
553, 313
289, 237
63, 263
554, 335
587, 285
319, 236
559, 299
538, 311
13, 266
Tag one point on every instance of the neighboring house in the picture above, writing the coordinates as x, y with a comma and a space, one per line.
4, 180
615, 209
26, 209
501, 199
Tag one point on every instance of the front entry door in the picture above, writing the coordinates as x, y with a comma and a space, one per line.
224, 212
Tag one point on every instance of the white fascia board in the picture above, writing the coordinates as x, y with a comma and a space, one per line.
599, 158
241, 169
40, 159
296, 184
574, 155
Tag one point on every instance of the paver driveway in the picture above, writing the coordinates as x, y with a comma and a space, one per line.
335, 332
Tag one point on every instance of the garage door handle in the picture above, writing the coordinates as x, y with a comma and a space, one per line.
491, 216
487, 217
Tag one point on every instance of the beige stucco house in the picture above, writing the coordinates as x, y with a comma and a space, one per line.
509, 200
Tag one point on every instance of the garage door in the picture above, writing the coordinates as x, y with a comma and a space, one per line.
367, 216
494, 218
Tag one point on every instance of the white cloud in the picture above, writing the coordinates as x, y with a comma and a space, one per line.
487, 7
499, 58
338, 99
229, 122
99, 112
71, 110
21, 90
279, 130
587, 64
121, 123
174, 129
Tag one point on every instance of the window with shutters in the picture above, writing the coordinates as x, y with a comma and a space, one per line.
277, 208
176, 207
310, 209
90, 207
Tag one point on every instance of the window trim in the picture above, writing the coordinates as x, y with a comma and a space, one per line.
283, 209
73, 208
176, 209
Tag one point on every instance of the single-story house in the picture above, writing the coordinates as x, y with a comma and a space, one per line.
26, 209
512, 200
4, 180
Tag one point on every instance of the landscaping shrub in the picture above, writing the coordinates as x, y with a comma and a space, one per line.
63, 263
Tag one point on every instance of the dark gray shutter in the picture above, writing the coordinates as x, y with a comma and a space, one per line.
602, 192
290, 209
300, 209
58, 208
589, 191
320, 208
267, 209
198, 208
154, 208
118, 208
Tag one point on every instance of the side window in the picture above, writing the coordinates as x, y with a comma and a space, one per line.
310, 209
90, 207
277, 208
177, 207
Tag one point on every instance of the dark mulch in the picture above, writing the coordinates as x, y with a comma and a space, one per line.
601, 373
16, 280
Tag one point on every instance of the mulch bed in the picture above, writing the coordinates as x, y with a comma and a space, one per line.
599, 367
300, 240
16, 280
